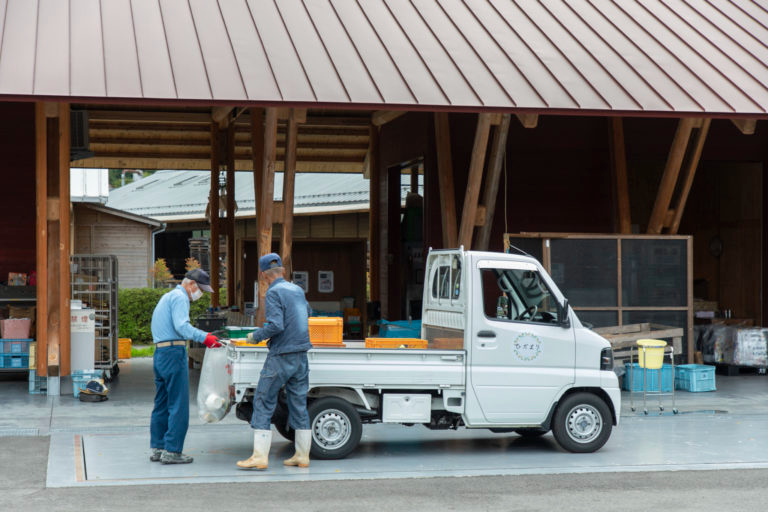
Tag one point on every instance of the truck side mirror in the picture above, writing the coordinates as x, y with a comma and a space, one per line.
565, 321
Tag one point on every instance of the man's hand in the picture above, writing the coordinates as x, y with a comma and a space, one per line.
250, 337
211, 341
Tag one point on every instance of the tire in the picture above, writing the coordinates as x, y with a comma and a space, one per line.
582, 423
531, 433
280, 421
336, 428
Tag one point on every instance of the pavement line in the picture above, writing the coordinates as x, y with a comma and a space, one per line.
79, 460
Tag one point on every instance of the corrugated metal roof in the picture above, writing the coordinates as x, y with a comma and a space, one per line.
632, 56
183, 195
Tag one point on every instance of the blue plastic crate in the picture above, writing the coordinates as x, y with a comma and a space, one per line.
37, 385
695, 378
400, 329
651, 379
13, 361
15, 346
81, 377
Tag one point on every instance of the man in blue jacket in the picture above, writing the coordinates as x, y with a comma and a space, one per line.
287, 328
170, 330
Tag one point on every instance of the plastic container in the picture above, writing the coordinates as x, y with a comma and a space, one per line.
81, 377
11, 361
326, 330
234, 331
37, 385
395, 343
15, 328
695, 378
653, 355
124, 348
635, 377
400, 329
15, 346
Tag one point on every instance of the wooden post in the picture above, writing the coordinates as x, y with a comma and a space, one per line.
231, 259
491, 192
257, 155
374, 220
267, 198
689, 174
619, 168
469, 210
289, 180
213, 205
63, 242
41, 199
669, 179
445, 179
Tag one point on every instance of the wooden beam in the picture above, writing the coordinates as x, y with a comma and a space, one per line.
469, 210
528, 120
64, 240
374, 230
689, 174
491, 192
231, 258
669, 178
213, 206
41, 258
267, 197
745, 126
257, 152
445, 179
382, 117
619, 169
220, 115
289, 180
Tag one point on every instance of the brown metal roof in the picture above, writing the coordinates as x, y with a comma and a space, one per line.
660, 57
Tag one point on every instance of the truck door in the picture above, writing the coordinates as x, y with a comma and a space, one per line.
521, 354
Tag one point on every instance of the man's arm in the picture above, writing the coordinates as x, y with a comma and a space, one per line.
180, 317
274, 323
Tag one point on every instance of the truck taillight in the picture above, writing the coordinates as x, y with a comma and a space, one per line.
606, 359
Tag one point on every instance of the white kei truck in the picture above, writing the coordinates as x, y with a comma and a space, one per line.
518, 360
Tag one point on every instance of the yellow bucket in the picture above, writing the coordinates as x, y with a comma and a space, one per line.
652, 357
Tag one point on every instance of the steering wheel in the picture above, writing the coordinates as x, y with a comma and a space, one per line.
530, 311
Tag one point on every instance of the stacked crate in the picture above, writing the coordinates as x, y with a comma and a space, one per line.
15, 354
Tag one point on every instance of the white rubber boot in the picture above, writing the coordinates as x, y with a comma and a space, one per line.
303, 443
262, 439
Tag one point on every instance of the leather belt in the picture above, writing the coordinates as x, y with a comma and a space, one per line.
170, 344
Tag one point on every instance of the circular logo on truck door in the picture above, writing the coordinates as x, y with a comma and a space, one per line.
527, 347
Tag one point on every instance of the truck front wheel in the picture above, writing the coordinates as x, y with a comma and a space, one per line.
336, 428
582, 423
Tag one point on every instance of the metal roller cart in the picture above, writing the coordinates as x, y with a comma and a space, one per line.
650, 357
94, 282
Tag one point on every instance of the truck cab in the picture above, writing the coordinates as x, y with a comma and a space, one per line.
531, 365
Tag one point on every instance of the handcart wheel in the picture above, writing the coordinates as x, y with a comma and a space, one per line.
674, 411
661, 407
645, 412
633, 409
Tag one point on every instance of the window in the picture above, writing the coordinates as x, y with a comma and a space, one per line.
518, 295
446, 281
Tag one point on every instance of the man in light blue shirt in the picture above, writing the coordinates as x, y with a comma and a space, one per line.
170, 330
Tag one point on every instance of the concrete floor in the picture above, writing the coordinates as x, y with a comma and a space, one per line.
107, 443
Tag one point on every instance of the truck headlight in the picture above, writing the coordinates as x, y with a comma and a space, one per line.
606, 359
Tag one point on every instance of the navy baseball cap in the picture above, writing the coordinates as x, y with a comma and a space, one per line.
200, 277
268, 261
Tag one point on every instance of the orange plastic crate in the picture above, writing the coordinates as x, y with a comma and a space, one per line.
124, 348
326, 330
395, 343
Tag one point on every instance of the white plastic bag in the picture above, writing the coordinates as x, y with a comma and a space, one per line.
213, 391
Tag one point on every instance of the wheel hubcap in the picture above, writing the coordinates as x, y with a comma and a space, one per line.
584, 424
331, 429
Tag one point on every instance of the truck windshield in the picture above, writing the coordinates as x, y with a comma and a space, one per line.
518, 295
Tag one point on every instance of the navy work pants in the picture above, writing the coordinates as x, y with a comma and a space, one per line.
170, 417
289, 370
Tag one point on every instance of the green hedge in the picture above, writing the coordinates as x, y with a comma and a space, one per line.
135, 307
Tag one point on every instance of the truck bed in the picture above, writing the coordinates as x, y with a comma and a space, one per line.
361, 367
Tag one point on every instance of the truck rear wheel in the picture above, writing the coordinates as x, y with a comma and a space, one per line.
582, 423
336, 428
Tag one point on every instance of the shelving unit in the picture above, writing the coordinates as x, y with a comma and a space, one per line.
16, 295
94, 282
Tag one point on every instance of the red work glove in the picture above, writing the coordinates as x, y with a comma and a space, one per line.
211, 341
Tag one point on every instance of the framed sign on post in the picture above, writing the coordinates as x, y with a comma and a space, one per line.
325, 281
